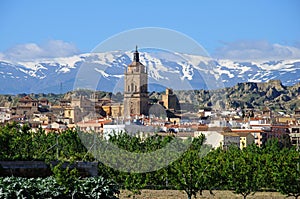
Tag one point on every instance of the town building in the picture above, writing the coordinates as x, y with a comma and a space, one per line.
225, 137
213, 136
79, 107
136, 88
5, 114
170, 100
113, 109
295, 135
27, 106
113, 129
246, 137
92, 125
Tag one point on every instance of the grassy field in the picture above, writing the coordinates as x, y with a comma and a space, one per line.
169, 194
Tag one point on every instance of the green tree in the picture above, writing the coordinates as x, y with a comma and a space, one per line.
216, 176
134, 182
66, 176
243, 171
187, 173
286, 172
21, 143
269, 156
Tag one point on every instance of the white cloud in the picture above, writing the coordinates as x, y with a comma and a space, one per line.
256, 50
31, 51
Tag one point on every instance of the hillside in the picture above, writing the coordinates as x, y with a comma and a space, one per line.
272, 94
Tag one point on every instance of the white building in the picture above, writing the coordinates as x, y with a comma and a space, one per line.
4, 114
224, 137
112, 129
212, 138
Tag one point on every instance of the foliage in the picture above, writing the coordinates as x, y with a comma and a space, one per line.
140, 147
86, 188
188, 173
65, 177
244, 174
275, 166
242, 171
286, 173
19, 142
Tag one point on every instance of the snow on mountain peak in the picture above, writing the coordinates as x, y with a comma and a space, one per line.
162, 66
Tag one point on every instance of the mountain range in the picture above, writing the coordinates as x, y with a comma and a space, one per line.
105, 71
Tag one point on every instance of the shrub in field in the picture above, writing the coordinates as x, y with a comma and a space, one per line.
30, 188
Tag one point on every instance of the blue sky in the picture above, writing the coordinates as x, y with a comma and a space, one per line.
223, 27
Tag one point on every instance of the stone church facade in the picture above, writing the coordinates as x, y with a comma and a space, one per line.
136, 88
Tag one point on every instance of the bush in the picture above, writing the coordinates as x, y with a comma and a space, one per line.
85, 188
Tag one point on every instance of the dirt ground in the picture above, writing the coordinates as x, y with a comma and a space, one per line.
170, 194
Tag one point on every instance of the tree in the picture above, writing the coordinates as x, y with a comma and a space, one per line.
66, 177
286, 172
216, 175
187, 173
21, 143
243, 171
134, 182
269, 156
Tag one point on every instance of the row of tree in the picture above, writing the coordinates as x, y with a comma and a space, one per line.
199, 168
19, 142
158, 162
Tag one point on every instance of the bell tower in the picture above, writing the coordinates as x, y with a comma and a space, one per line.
136, 88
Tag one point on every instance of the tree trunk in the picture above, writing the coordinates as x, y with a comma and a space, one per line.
189, 194
200, 192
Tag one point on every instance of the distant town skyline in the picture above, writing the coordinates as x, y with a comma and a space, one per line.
226, 29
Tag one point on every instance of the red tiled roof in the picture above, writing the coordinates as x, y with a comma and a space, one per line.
26, 99
246, 130
94, 121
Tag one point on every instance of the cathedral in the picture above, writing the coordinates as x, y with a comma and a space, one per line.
136, 98
136, 88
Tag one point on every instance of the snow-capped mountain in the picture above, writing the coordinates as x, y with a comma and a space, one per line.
105, 71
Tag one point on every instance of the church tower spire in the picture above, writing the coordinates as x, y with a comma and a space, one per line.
135, 88
136, 56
